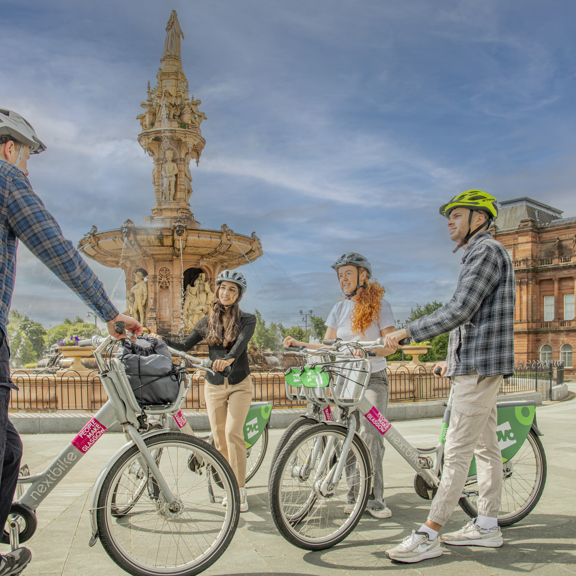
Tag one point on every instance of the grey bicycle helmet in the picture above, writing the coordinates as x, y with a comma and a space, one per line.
235, 277
353, 259
17, 127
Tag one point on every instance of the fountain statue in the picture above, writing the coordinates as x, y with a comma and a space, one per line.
170, 262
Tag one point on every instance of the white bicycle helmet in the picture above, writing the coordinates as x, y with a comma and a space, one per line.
234, 277
14, 125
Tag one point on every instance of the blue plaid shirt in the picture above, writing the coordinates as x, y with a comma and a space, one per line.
23, 216
480, 315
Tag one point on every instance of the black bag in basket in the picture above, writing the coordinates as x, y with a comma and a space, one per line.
154, 379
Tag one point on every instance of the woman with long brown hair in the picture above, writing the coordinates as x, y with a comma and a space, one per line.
363, 314
227, 330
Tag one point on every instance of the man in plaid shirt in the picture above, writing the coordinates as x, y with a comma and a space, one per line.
23, 216
480, 318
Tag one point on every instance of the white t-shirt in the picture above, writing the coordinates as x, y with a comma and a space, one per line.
341, 319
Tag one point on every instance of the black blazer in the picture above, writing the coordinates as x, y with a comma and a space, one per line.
237, 350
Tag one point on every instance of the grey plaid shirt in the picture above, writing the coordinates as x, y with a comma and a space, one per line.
480, 315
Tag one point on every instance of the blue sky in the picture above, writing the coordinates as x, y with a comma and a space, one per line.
333, 126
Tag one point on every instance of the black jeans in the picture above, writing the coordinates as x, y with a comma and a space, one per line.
10, 443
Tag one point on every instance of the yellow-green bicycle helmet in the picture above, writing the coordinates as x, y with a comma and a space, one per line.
473, 199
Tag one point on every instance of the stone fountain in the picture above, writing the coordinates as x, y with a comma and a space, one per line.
170, 262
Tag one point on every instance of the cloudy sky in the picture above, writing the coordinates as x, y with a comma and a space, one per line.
333, 126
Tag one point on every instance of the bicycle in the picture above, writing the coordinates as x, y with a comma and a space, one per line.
156, 505
308, 492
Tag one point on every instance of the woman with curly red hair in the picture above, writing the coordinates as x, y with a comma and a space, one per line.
363, 314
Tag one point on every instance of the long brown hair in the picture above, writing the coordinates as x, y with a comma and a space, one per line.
223, 330
367, 307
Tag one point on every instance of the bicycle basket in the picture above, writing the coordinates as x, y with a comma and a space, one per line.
154, 379
350, 380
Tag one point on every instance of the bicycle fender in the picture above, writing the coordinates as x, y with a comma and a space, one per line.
256, 420
536, 429
100, 480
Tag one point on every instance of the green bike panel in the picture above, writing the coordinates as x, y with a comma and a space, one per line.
308, 377
514, 422
256, 421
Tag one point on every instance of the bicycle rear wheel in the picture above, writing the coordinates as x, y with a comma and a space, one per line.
305, 513
147, 538
523, 484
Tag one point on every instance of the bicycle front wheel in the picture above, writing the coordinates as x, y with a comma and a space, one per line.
142, 535
293, 428
307, 510
255, 455
523, 484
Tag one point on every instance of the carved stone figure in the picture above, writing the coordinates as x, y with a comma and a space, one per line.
197, 302
188, 177
169, 173
173, 35
557, 246
140, 293
199, 117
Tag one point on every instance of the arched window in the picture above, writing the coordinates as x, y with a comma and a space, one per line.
566, 355
546, 353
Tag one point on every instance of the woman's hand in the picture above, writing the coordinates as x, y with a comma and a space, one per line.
358, 353
221, 365
289, 341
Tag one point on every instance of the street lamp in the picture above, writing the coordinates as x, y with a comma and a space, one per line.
95, 320
305, 320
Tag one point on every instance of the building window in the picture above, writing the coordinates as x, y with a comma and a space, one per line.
546, 353
568, 306
510, 253
566, 355
548, 308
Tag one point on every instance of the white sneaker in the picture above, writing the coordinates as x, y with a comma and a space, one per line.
473, 535
243, 500
384, 513
415, 548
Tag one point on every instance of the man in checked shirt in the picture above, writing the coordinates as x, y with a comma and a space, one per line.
480, 318
24, 217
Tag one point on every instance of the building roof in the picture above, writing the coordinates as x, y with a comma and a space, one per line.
512, 212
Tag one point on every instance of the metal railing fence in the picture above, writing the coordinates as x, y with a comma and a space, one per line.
83, 391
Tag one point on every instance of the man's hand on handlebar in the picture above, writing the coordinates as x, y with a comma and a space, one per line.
392, 340
440, 369
132, 326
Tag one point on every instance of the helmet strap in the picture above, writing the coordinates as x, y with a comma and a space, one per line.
20, 154
471, 233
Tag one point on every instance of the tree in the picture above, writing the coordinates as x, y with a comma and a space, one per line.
77, 327
26, 339
271, 337
296, 332
318, 327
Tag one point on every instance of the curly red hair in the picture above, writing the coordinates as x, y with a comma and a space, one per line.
367, 307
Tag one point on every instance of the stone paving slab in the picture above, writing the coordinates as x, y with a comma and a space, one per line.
544, 544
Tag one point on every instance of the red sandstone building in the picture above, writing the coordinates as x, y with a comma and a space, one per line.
542, 246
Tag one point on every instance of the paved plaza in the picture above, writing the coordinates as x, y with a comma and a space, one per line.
542, 544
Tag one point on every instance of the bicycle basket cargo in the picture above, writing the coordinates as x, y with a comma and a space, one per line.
154, 379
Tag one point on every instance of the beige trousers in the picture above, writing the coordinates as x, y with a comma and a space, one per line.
227, 407
472, 431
